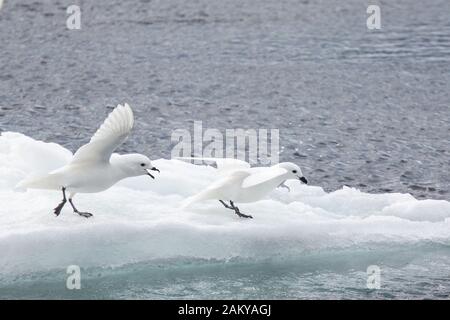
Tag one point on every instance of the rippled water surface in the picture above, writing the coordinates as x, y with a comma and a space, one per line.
364, 108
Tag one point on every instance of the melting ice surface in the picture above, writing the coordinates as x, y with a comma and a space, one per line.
301, 244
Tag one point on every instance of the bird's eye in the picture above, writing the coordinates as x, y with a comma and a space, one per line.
294, 171
142, 164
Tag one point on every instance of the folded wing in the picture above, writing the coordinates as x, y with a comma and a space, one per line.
263, 176
111, 134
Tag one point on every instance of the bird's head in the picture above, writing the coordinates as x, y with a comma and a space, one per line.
293, 171
137, 165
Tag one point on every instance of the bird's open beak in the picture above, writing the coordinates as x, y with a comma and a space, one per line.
152, 169
303, 179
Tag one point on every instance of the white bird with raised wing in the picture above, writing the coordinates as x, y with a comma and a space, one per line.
240, 184
92, 169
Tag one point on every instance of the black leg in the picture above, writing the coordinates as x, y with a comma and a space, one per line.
226, 205
58, 209
83, 214
236, 209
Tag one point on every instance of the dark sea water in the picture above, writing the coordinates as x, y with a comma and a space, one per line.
364, 108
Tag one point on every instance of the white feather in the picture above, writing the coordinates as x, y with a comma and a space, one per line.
90, 170
262, 176
111, 134
247, 185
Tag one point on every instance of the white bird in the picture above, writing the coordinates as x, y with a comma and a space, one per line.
241, 184
92, 169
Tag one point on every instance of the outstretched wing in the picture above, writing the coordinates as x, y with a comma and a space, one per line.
111, 134
224, 165
263, 176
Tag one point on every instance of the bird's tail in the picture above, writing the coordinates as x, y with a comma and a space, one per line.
47, 181
186, 203
202, 195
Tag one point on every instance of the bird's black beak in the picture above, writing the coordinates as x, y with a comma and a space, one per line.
303, 179
152, 169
